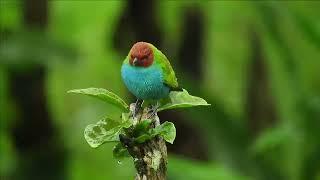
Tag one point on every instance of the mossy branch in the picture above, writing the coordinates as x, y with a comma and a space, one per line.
150, 157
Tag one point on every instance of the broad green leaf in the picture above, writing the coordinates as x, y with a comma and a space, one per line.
182, 99
104, 95
106, 130
126, 124
166, 130
120, 152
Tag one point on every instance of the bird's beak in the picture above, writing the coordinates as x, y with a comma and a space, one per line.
135, 61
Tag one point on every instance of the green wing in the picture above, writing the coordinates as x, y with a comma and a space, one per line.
169, 76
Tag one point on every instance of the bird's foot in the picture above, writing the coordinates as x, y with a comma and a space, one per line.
153, 110
137, 107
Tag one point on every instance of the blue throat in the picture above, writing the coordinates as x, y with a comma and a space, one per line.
144, 83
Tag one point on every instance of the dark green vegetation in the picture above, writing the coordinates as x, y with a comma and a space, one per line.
256, 63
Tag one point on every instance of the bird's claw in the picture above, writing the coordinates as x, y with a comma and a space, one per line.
137, 107
153, 111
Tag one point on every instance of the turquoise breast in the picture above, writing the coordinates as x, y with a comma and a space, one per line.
144, 83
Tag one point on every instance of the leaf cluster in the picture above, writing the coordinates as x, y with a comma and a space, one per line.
109, 130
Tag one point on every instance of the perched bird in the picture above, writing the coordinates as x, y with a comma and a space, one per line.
147, 73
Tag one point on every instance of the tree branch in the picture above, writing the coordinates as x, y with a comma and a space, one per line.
150, 157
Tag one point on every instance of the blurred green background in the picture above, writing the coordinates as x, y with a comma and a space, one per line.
257, 63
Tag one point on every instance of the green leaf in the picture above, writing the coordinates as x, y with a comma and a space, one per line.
124, 117
104, 95
120, 152
166, 130
182, 99
142, 127
106, 130
126, 122
143, 138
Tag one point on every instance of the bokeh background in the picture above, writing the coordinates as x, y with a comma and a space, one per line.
257, 63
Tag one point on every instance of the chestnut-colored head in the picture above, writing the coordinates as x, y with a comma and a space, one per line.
141, 55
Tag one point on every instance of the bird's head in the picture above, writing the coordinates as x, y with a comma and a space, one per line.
141, 55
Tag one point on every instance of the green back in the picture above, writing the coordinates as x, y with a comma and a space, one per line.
168, 73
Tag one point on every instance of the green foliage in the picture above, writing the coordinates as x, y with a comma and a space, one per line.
272, 139
108, 130
25, 49
120, 152
166, 130
142, 128
8, 158
103, 95
176, 99
195, 170
182, 99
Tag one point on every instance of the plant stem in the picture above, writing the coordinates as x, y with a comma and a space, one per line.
150, 157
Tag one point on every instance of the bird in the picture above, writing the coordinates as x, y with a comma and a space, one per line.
148, 74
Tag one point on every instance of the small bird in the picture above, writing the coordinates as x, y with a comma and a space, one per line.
148, 74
